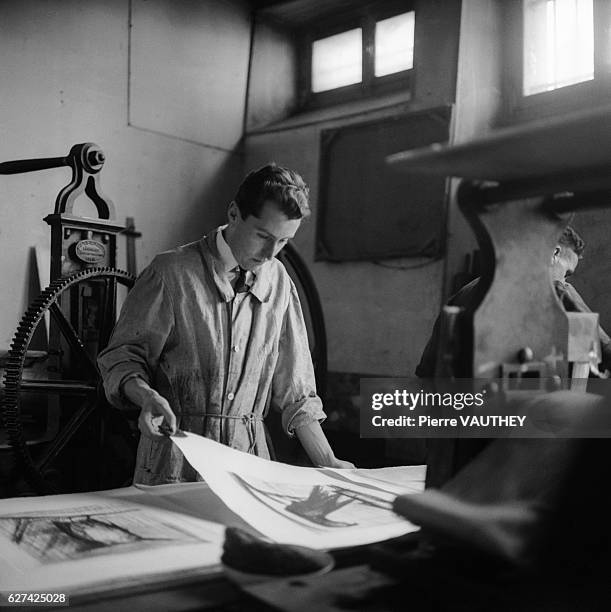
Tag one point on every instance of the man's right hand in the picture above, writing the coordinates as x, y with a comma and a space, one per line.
154, 408
153, 414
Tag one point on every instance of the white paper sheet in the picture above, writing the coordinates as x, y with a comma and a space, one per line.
320, 508
80, 541
106, 540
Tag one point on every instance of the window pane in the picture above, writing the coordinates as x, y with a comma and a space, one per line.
337, 60
558, 44
394, 50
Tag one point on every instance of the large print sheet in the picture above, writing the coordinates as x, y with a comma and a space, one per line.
106, 540
321, 508
79, 540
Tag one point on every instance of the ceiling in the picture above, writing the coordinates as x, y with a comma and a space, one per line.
295, 13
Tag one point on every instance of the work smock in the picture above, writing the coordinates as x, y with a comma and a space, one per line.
221, 359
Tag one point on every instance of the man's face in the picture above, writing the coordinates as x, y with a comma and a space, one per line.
255, 240
564, 263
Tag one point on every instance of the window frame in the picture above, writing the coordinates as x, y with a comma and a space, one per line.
364, 17
518, 107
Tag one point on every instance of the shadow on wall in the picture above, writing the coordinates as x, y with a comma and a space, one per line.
208, 207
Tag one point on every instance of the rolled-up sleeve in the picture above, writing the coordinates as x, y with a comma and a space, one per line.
138, 339
293, 384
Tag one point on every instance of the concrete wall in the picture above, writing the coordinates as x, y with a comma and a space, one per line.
272, 94
378, 318
66, 77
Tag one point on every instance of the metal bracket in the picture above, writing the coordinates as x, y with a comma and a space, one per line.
86, 161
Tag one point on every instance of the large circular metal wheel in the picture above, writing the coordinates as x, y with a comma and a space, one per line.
312, 312
282, 448
46, 407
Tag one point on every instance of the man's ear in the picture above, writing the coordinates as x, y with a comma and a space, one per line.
233, 213
556, 251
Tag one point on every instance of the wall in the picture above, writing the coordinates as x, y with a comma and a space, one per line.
370, 311
378, 318
66, 75
271, 91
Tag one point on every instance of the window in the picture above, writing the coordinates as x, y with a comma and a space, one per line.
394, 44
558, 44
557, 56
336, 60
367, 52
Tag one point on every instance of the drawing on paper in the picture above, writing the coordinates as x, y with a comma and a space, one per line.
53, 537
327, 505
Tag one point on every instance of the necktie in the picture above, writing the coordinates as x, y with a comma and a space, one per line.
240, 283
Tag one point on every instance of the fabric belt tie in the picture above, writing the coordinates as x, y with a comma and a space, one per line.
250, 420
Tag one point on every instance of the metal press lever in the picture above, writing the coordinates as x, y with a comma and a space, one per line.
32, 165
94, 156
86, 161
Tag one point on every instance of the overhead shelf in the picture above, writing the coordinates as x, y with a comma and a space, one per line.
572, 151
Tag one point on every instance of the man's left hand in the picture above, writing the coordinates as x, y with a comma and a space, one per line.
317, 447
340, 464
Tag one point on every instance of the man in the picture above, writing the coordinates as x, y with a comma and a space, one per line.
564, 261
212, 335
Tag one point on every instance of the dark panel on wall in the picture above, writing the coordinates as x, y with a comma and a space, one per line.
368, 210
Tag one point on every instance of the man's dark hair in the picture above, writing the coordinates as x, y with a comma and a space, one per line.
571, 239
280, 185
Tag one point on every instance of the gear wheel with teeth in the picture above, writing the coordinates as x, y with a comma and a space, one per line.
34, 469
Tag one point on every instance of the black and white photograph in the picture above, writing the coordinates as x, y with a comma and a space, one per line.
305, 305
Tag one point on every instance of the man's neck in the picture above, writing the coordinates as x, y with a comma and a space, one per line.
225, 252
